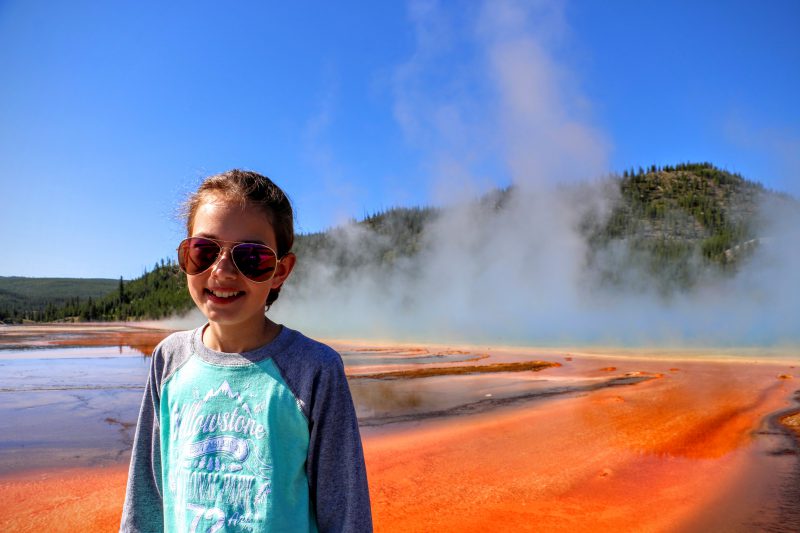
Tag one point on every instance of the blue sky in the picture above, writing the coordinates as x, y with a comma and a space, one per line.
111, 112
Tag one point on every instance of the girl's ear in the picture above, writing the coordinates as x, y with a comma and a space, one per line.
283, 269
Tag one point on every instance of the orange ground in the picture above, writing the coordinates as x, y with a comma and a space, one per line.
656, 456
70, 500
143, 339
650, 457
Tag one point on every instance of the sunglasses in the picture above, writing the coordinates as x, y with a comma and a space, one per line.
255, 261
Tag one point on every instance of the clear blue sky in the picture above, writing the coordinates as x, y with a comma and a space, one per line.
110, 112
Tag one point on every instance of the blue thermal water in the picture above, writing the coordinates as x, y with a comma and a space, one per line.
68, 406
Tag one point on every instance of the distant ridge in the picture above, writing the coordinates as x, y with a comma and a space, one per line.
156, 294
22, 295
675, 224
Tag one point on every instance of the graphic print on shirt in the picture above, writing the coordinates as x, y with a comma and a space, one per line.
222, 471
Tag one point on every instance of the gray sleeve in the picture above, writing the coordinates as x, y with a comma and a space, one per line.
143, 508
337, 475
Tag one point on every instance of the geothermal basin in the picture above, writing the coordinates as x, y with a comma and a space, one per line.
456, 438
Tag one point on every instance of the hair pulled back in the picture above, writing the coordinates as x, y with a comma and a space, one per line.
248, 188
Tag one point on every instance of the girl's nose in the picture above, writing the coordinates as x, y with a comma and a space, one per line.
224, 267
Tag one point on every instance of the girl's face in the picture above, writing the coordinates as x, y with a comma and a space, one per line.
222, 293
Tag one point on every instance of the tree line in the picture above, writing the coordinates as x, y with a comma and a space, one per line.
156, 294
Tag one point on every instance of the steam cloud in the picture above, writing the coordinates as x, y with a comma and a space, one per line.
518, 274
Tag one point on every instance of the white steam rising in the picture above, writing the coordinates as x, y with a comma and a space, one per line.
518, 274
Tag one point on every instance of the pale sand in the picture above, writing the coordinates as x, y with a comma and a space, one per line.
677, 453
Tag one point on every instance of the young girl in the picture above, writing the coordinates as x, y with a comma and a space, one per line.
246, 425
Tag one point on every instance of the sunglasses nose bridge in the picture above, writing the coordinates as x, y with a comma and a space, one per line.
227, 253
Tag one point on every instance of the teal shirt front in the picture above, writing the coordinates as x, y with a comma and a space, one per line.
234, 442
264, 440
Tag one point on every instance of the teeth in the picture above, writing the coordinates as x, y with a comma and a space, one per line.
223, 294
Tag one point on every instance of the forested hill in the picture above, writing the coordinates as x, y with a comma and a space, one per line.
692, 204
156, 294
678, 224
674, 225
20, 295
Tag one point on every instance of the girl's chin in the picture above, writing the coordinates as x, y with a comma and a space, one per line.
232, 315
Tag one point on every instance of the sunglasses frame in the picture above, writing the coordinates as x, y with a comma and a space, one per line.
230, 246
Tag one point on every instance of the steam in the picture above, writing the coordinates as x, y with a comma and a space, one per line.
543, 135
518, 274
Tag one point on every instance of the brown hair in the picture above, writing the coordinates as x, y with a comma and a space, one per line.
249, 188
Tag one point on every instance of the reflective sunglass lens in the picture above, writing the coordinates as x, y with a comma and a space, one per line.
255, 261
196, 255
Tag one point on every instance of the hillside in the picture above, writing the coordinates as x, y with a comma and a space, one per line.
677, 224
673, 227
375, 242
156, 294
20, 296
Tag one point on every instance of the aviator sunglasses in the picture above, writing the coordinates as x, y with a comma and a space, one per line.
255, 261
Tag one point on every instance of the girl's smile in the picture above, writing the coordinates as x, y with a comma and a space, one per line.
222, 296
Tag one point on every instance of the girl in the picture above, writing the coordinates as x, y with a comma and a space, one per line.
246, 425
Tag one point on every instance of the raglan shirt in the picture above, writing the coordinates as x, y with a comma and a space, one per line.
265, 441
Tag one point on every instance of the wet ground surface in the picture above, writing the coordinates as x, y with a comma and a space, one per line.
380, 402
68, 406
70, 397
455, 439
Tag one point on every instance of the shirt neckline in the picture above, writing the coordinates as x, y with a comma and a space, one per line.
276, 345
